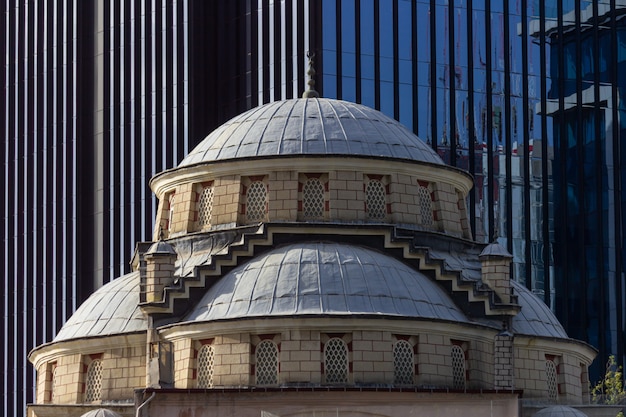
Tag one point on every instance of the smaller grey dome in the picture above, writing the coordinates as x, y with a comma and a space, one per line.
112, 309
101, 412
535, 318
559, 411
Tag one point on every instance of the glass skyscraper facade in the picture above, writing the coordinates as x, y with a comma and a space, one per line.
586, 103
98, 96
468, 78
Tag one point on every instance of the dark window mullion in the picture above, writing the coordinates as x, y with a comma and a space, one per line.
106, 148
605, 322
338, 46
561, 304
470, 109
452, 80
266, 52
545, 196
580, 221
526, 160
357, 46
617, 189
507, 133
396, 64
117, 143
277, 30
376, 55
433, 74
490, 155
414, 67
289, 48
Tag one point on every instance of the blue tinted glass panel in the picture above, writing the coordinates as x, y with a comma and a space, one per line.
423, 32
367, 23
348, 43
406, 105
404, 30
386, 98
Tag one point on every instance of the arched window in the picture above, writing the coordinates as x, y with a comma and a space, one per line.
206, 364
55, 382
458, 367
403, 362
425, 206
313, 199
551, 379
93, 384
205, 206
256, 201
336, 361
376, 200
169, 211
266, 368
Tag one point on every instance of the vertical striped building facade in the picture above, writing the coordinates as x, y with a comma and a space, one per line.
99, 96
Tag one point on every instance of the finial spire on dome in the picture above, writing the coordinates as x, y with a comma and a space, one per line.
310, 92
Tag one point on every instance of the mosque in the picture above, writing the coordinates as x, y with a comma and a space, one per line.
312, 257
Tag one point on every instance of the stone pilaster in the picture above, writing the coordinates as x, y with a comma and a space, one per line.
504, 361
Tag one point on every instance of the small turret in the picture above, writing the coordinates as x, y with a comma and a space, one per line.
159, 259
495, 267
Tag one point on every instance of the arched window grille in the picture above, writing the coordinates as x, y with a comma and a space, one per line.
376, 200
425, 206
205, 206
55, 383
458, 367
313, 199
336, 361
403, 362
266, 368
170, 213
93, 385
206, 365
256, 201
551, 379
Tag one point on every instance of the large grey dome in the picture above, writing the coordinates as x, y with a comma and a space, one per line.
314, 126
325, 279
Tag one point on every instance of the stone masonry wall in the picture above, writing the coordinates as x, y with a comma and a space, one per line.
123, 370
372, 356
346, 195
300, 357
232, 360
530, 375
283, 196
345, 201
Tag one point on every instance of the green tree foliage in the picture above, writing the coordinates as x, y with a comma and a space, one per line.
610, 390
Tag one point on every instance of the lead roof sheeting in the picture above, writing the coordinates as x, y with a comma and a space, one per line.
325, 278
311, 127
559, 411
305, 279
111, 309
535, 318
